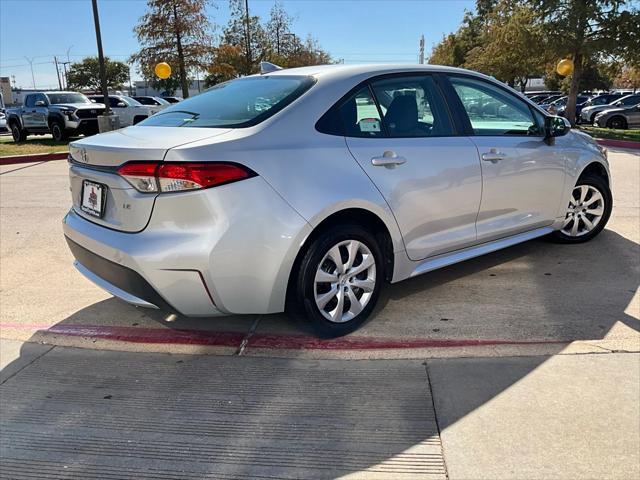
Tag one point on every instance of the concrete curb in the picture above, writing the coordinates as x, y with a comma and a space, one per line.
31, 158
607, 142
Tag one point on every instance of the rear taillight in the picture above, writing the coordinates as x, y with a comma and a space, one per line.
157, 177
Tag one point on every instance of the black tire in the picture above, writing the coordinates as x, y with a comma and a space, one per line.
19, 135
58, 132
601, 185
617, 122
304, 303
593, 118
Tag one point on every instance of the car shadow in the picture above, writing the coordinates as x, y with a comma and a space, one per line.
536, 291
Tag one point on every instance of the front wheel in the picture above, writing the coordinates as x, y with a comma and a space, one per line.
618, 123
57, 131
588, 211
18, 134
339, 280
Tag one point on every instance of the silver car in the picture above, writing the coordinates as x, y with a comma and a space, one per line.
307, 189
621, 117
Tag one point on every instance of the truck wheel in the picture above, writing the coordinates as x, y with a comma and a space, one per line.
19, 135
57, 131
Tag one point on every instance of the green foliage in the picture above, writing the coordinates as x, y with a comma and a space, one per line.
86, 74
273, 42
177, 32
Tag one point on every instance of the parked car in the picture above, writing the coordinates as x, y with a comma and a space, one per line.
562, 105
62, 114
588, 114
129, 110
172, 99
620, 117
3, 123
353, 176
601, 99
153, 101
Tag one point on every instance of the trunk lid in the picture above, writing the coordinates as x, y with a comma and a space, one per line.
94, 164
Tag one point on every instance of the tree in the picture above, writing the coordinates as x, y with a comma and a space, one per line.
177, 32
86, 74
582, 29
629, 77
245, 31
510, 29
227, 66
454, 48
278, 30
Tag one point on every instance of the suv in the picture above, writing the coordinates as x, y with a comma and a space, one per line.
128, 110
62, 114
153, 101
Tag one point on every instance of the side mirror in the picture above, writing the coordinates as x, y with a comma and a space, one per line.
555, 127
121, 105
41, 103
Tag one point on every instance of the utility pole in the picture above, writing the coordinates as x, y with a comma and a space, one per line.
55, 60
248, 36
107, 121
421, 61
66, 74
33, 77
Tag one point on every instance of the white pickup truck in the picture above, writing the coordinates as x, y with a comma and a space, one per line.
129, 110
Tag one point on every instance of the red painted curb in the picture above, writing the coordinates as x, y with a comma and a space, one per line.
39, 157
607, 142
271, 342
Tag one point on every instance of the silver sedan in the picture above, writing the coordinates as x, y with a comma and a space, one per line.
308, 189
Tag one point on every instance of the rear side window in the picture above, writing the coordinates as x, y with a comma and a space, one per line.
400, 107
412, 107
235, 104
492, 111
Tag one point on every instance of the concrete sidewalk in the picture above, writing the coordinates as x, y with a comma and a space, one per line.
91, 414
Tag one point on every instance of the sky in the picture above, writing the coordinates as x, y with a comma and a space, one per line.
358, 31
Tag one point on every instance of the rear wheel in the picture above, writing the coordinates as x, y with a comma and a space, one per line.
588, 211
617, 122
18, 134
57, 131
339, 280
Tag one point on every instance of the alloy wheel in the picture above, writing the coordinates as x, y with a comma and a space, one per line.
345, 281
585, 211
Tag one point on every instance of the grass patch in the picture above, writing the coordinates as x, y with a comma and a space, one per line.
597, 132
33, 145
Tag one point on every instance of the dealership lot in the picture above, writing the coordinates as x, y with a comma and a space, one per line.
513, 395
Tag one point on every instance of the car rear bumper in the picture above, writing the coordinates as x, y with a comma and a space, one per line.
217, 251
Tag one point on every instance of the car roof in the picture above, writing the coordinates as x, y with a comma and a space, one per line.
342, 71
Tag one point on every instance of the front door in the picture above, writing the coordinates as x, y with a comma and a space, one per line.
403, 139
522, 176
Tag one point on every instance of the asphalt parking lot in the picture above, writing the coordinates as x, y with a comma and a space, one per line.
518, 364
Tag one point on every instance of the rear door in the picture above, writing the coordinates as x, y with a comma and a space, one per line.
405, 142
29, 111
522, 176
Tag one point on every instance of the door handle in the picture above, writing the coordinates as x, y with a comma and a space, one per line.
493, 156
388, 159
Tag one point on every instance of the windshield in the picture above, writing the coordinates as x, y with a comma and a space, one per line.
132, 102
161, 101
58, 98
238, 103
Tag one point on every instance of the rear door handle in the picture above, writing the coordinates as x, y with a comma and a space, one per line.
388, 159
493, 156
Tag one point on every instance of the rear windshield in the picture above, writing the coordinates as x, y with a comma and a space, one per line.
234, 104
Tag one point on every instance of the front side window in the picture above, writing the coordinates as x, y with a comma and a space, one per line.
412, 107
493, 111
629, 101
30, 101
60, 98
235, 104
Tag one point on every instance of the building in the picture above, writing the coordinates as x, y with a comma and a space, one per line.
5, 89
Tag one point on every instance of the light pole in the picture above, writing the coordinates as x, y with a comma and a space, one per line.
106, 121
33, 77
